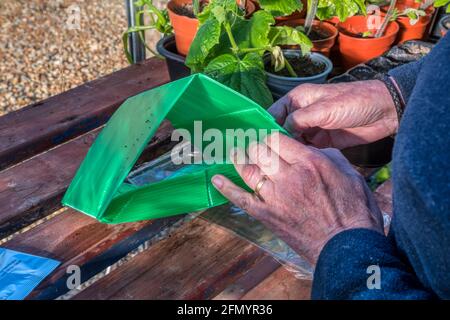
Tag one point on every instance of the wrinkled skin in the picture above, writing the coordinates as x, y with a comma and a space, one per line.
313, 194
338, 115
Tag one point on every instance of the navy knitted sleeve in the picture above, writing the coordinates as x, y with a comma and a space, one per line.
364, 264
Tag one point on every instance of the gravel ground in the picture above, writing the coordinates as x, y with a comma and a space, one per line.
45, 49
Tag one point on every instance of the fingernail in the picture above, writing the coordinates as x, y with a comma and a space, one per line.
217, 182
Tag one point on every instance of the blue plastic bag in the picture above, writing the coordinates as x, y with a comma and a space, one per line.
20, 273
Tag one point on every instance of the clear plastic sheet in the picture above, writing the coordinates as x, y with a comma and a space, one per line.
228, 216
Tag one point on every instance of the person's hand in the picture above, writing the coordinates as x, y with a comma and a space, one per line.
308, 195
338, 115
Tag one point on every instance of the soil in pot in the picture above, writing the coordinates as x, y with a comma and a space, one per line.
323, 34
356, 48
304, 66
187, 9
318, 34
313, 68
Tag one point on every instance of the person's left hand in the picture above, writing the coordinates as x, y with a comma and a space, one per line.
308, 195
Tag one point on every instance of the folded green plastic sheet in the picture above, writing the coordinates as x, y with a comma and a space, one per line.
98, 188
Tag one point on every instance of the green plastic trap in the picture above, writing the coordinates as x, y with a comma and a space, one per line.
98, 188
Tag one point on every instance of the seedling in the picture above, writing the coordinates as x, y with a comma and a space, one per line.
230, 48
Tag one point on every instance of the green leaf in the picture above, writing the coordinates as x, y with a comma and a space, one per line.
225, 5
277, 59
325, 13
341, 8
206, 38
361, 5
245, 75
248, 33
254, 32
284, 35
281, 7
441, 3
219, 14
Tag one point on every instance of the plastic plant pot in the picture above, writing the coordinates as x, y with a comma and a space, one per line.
324, 45
184, 28
280, 85
175, 62
444, 25
408, 31
356, 49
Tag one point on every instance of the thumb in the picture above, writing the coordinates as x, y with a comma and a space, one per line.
279, 110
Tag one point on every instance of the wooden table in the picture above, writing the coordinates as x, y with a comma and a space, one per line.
42, 145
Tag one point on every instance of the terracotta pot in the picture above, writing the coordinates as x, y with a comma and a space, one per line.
323, 45
412, 32
334, 21
409, 3
355, 50
408, 31
184, 27
250, 8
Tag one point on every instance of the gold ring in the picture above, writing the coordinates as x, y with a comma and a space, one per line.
258, 187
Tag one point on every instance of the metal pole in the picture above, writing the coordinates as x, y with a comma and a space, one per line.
137, 48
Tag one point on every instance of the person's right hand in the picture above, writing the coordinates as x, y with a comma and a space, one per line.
338, 115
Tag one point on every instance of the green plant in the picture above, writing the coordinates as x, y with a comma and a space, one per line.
413, 15
381, 176
343, 9
158, 20
230, 48
442, 3
281, 8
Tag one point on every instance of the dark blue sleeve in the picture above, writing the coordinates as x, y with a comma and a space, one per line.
351, 259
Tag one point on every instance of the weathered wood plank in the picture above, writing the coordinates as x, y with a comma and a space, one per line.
196, 262
190, 264
34, 188
249, 279
281, 285
40, 126
76, 239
